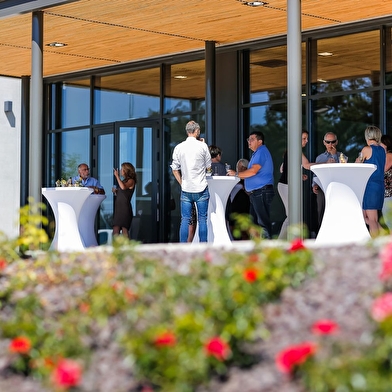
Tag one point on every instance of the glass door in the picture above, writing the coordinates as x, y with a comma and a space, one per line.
102, 163
138, 144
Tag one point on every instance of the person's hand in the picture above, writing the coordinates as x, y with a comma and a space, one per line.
231, 173
115, 172
304, 177
315, 189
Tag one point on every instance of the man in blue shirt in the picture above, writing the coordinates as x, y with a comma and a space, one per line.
85, 180
259, 182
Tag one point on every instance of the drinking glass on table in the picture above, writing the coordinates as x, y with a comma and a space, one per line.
360, 157
227, 167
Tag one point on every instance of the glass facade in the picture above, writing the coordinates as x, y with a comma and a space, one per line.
346, 83
126, 96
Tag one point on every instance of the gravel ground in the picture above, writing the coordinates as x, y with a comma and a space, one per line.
342, 289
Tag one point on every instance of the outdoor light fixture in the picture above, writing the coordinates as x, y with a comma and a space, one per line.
325, 54
254, 3
56, 44
7, 106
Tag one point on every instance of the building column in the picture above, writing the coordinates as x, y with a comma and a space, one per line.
294, 111
36, 108
210, 120
24, 141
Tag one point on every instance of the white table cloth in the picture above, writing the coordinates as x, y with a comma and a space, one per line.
74, 210
219, 188
344, 185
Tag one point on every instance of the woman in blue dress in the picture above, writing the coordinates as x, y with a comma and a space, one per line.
373, 198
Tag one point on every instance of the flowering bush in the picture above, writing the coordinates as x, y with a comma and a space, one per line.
176, 326
339, 366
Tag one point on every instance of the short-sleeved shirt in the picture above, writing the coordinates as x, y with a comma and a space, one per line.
192, 157
265, 176
323, 158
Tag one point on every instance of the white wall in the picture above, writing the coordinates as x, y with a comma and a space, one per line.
10, 90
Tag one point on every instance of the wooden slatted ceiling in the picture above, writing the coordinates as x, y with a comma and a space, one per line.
101, 32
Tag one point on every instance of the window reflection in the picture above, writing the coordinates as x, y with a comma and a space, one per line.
388, 56
347, 116
184, 87
75, 150
75, 106
127, 96
349, 62
268, 74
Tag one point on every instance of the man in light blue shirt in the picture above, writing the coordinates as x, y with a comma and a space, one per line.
85, 180
191, 159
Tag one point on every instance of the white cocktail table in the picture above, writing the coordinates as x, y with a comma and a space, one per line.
219, 188
74, 210
344, 185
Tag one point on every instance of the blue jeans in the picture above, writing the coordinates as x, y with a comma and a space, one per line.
187, 199
260, 206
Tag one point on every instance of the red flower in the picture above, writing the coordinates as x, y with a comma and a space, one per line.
382, 307
84, 307
296, 244
208, 258
293, 356
67, 373
21, 345
129, 294
324, 327
253, 258
3, 264
165, 339
218, 348
386, 258
250, 275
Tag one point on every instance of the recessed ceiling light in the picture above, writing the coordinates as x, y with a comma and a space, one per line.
254, 3
325, 54
56, 44
180, 77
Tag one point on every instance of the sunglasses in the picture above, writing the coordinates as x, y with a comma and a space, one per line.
330, 141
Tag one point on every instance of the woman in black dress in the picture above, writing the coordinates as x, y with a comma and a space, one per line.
123, 193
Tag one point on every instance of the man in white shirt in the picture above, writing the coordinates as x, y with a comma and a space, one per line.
191, 159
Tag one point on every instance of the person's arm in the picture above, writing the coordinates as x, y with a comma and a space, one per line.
388, 161
305, 162
246, 173
129, 183
177, 176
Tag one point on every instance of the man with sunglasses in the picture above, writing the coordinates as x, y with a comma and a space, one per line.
330, 155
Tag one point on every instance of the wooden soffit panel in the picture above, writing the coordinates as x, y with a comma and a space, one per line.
101, 33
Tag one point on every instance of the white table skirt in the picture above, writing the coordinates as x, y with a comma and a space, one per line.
219, 188
74, 210
344, 185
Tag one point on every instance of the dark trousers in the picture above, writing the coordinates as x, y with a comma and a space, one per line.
260, 207
320, 206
